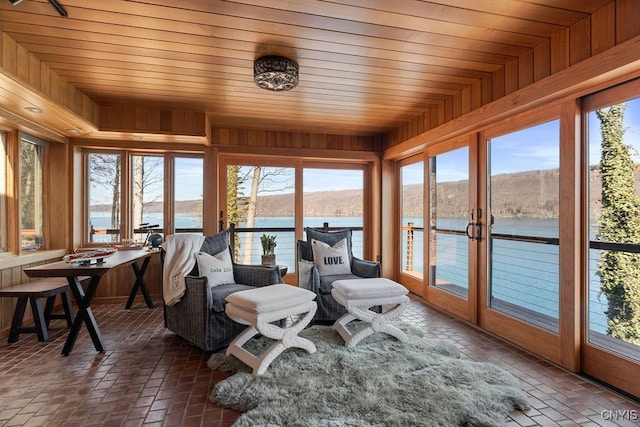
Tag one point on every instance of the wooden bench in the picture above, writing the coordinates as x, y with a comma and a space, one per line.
33, 291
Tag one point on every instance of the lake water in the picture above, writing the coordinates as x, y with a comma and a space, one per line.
524, 274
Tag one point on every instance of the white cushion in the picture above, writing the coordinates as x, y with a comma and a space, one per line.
331, 260
369, 288
270, 298
217, 268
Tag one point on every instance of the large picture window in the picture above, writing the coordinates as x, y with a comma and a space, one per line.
126, 195
280, 199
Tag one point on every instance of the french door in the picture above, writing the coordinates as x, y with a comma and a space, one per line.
611, 337
454, 229
520, 255
490, 232
532, 231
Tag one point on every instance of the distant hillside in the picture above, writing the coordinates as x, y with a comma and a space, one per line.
524, 194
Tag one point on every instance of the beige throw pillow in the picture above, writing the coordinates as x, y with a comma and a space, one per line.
217, 268
331, 260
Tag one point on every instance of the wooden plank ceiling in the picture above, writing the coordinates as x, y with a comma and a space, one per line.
366, 67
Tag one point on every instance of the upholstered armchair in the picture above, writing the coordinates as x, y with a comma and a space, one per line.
199, 317
317, 278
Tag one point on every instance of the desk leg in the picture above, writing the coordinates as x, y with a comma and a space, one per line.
83, 300
140, 284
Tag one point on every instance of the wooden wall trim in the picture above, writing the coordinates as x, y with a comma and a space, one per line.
152, 119
613, 24
288, 144
26, 81
570, 234
621, 62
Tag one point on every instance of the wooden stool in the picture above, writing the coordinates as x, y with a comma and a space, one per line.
33, 291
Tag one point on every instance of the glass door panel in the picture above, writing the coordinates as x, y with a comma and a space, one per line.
448, 220
523, 196
412, 219
614, 228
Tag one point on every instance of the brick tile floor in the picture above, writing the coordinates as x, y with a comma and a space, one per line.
148, 376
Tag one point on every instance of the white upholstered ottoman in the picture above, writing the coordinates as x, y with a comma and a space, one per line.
258, 308
358, 296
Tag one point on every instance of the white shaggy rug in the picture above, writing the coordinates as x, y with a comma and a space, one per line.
380, 382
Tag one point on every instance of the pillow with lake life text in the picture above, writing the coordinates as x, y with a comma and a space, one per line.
331, 260
218, 268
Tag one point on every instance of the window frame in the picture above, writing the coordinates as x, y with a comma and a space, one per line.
42, 147
4, 211
127, 227
299, 165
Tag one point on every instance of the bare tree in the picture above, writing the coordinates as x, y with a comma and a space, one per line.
147, 174
104, 172
263, 180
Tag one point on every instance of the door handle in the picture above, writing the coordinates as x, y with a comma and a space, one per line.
478, 235
466, 231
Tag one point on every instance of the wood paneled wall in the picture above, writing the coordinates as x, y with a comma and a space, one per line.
614, 24
19, 63
149, 119
294, 140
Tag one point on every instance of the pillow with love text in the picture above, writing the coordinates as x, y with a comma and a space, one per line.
331, 260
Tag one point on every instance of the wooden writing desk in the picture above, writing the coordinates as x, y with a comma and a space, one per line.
83, 299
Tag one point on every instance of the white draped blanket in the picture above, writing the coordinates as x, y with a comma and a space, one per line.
179, 260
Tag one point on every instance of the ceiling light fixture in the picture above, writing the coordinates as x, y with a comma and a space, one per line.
35, 110
57, 6
275, 73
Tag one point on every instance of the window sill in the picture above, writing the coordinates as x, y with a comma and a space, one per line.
12, 260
